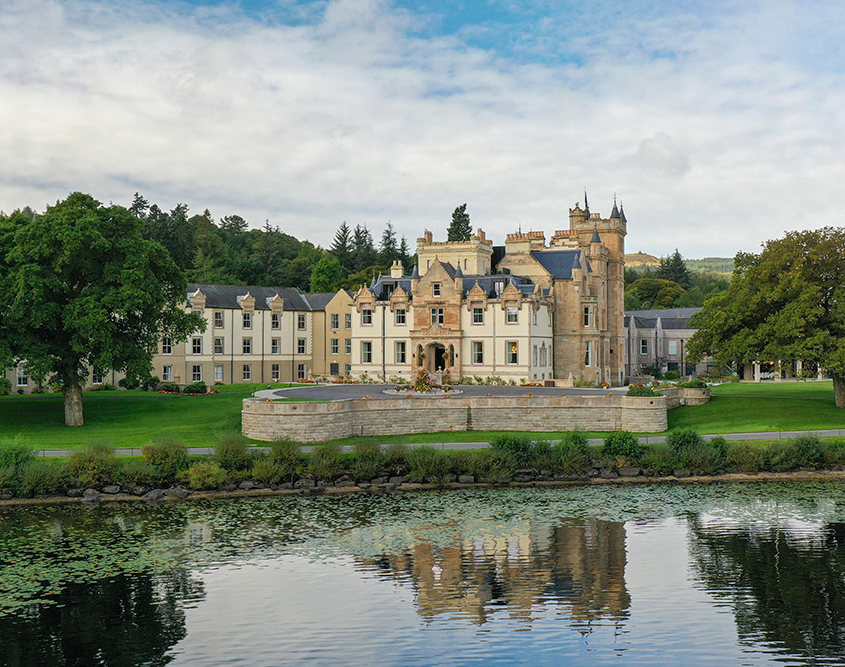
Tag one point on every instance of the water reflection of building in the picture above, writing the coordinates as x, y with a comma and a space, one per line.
579, 565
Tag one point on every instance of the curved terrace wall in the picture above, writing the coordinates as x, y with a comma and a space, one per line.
311, 422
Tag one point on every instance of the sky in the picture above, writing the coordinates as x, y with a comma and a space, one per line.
718, 125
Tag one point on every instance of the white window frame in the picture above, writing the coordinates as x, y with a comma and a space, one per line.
347, 346
247, 320
335, 346
218, 373
366, 351
643, 345
437, 316
366, 317
399, 316
347, 320
196, 345
477, 352
22, 376
196, 373
275, 372
167, 346
247, 372
219, 345
588, 353
275, 346
300, 346
97, 376
477, 315
435, 289
672, 347
167, 373
511, 315
246, 345
301, 372
275, 320
335, 320
301, 322
218, 319
401, 352
512, 352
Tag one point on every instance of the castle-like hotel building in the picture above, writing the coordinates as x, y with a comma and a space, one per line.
533, 309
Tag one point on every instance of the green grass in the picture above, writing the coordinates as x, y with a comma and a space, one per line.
746, 407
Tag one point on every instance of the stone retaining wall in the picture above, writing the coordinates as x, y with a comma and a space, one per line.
677, 396
311, 422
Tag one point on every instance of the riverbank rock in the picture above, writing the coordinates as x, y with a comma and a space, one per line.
112, 489
305, 483
607, 473
75, 493
681, 473
176, 492
629, 471
466, 479
90, 496
397, 480
154, 494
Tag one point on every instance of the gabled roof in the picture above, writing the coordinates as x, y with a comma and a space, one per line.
559, 263
227, 296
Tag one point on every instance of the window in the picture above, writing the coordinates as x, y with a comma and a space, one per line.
196, 373
275, 320
512, 314
534, 318
672, 347
437, 316
218, 372
366, 352
300, 371
477, 352
347, 346
196, 312
347, 368
535, 356
477, 315
23, 376
644, 346
347, 320
300, 321
247, 346
550, 318
167, 373
167, 346
586, 316
511, 352
275, 372
334, 369
544, 355
96, 376
435, 289
247, 320
247, 372
335, 320
588, 353
366, 316
400, 351
218, 346
196, 345
335, 346
275, 346
218, 319
399, 316
300, 346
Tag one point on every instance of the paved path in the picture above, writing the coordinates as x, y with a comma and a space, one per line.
646, 439
337, 392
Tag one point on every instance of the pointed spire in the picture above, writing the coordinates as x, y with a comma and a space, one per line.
615, 212
415, 274
596, 238
586, 203
622, 212
458, 272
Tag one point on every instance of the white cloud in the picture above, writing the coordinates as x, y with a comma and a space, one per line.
714, 137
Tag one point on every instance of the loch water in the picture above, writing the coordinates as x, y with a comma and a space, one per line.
715, 574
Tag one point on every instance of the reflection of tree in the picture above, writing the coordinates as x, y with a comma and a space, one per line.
123, 621
787, 593
579, 564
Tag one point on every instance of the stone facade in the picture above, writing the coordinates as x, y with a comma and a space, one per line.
528, 310
311, 422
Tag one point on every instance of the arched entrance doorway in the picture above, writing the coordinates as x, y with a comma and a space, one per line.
435, 355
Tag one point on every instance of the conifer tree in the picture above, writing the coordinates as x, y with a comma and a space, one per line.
460, 228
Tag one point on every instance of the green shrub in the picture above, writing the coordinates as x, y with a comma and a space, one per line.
169, 456
395, 459
326, 462
138, 473
8, 478
206, 475
834, 452
623, 444
429, 464
660, 458
172, 388
518, 447
15, 455
694, 383
682, 440
5, 387
195, 388
269, 472
40, 477
232, 454
746, 457
369, 459
805, 451
287, 457
92, 466
673, 375
704, 457
571, 455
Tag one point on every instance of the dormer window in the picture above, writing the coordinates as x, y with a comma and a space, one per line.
435, 289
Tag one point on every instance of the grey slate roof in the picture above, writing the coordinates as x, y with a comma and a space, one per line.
226, 296
670, 318
664, 312
558, 262
385, 285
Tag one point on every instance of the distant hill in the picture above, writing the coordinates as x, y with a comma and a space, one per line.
637, 259
711, 264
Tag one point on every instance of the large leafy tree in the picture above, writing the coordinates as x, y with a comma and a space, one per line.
85, 289
460, 228
327, 274
785, 304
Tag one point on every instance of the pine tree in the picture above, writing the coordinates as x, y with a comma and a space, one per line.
341, 248
364, 253
675, 269
388, 250
460, 229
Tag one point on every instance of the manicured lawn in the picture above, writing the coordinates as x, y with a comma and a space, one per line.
745, 407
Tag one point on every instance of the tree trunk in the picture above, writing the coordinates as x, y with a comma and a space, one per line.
839, 390
73, 405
